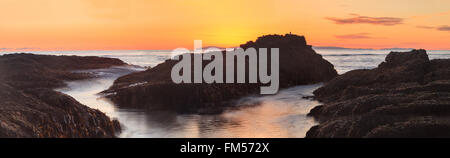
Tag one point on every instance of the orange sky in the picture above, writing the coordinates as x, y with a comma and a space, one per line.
169, 24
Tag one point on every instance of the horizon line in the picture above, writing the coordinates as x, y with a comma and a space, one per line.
21, 50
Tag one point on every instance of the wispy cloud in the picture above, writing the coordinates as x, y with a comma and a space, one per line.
354, 36
443, 28
358, 19
439, 28
425, 27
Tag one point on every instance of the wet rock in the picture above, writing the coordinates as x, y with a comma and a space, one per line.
406, 96
29, 107
46, 71
153, 89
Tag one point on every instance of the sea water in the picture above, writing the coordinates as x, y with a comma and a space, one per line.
275, 116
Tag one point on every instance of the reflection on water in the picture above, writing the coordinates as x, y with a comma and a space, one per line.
281, 115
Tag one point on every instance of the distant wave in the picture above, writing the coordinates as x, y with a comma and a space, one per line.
431, 53
353, 54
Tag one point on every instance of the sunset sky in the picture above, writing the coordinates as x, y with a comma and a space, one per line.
169, 24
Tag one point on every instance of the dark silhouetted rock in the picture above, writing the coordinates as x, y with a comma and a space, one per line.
153, 89
29, 107
46, 71
406, 96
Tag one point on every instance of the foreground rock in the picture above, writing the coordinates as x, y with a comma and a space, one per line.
406, 96
153, 89
30, 108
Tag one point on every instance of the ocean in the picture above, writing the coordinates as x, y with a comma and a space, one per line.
277, 116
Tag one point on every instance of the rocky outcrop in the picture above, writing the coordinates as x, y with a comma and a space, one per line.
45, 71
29, 107
406, 96
153, 89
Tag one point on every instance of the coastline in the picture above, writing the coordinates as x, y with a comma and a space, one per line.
429, 87
405, 96
32, 109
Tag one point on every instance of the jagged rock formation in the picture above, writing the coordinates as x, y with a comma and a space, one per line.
153, 89
406, 96
30, 108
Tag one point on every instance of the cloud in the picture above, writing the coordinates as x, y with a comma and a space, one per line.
425, 27
358, 19
354, 36
443, 28
439, 28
